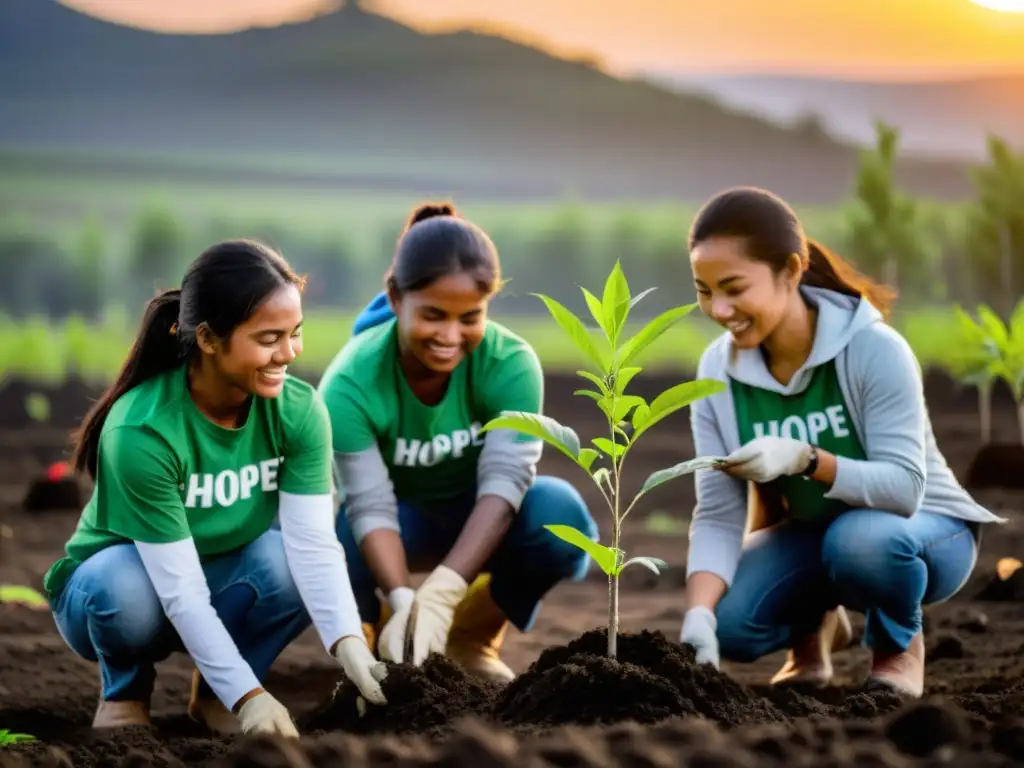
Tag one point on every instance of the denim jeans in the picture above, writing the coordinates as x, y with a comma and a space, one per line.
108, 612
883, 565
529, 561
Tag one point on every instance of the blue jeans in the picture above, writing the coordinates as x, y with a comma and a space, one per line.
109, 612
877, 563
529, 561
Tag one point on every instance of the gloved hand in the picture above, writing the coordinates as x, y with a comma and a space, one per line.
433, 611
391, 642
263, 714
699, 625
361, 667
767, 458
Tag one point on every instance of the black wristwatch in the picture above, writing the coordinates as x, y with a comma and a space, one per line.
812, 465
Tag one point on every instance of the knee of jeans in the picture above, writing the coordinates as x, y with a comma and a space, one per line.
269, 572
125, 612
738, 638
553, 501
861, 547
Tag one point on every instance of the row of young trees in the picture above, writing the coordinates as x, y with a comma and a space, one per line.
970, 253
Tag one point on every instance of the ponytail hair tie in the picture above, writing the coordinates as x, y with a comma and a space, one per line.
174, 329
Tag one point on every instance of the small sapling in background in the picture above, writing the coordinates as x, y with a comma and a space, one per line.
613, 367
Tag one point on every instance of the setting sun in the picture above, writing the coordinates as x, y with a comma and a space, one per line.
1006, 6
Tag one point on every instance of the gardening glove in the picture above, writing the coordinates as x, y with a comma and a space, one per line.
699, 625
361, 667
433, 610
263, 714
768, 458
391, 643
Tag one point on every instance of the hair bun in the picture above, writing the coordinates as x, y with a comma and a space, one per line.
430, 210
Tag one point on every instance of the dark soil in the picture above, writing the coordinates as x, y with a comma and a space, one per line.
570, 705
999, 465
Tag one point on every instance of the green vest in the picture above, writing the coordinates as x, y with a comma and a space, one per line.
818, 416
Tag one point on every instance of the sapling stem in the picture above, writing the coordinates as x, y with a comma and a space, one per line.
985, 412
613, 579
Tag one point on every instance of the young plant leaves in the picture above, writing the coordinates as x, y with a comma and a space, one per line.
650, 333
537, 425
605, 557
575, 330
673, 399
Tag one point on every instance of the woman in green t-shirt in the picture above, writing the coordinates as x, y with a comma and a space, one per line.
423, 489
824, 423
200, 444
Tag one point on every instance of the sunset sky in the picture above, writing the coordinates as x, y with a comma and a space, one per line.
853, 38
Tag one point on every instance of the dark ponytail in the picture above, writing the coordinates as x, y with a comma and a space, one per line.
773, 233
221, 290
826, 269
155, 351
438, 242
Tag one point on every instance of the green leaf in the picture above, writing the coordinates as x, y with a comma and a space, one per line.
596, 380
682, 468
623, 377
675, 398
13, 593
652, 563
587, 457
650, 333
604, 556
641, 416
624, 405
608, 447
575, 330
615, 302
596, 311
603, 475
636, 299
595, 396
537, 425
993, 326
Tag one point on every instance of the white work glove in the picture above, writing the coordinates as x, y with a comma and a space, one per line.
265, 715
361, 667
391, 643
767, 458
430, 616
699, 625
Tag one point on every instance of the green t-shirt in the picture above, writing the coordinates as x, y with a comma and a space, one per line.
819, 416
165, 472
430, 452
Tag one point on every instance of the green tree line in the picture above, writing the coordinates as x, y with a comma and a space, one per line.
968, 253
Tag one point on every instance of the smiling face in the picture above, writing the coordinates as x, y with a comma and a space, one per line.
442, 323
746, 297
256, 355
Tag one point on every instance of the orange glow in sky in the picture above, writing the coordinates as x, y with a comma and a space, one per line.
870, 38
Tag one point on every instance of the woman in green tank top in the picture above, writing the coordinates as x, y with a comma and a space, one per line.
202, 441
830, 449
423, 489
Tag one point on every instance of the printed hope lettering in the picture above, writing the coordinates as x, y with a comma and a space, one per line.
230, 485
427, 453
808, 428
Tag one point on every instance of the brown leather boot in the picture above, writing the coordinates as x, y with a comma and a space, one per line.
121, 714
477, 633
903, 672
210, 711
810, 660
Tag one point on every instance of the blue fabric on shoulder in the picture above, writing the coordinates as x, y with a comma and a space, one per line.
376, 312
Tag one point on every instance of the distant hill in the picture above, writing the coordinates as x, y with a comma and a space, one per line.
950, 117
434, 113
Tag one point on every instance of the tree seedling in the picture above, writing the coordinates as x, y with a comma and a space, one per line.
998, 351
614, 367
974, 360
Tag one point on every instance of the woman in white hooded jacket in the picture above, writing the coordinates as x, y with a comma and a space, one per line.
824, 413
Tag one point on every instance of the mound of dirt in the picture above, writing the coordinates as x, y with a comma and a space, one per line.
651, 679
426, 700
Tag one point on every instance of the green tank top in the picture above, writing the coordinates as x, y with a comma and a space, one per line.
818, 416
